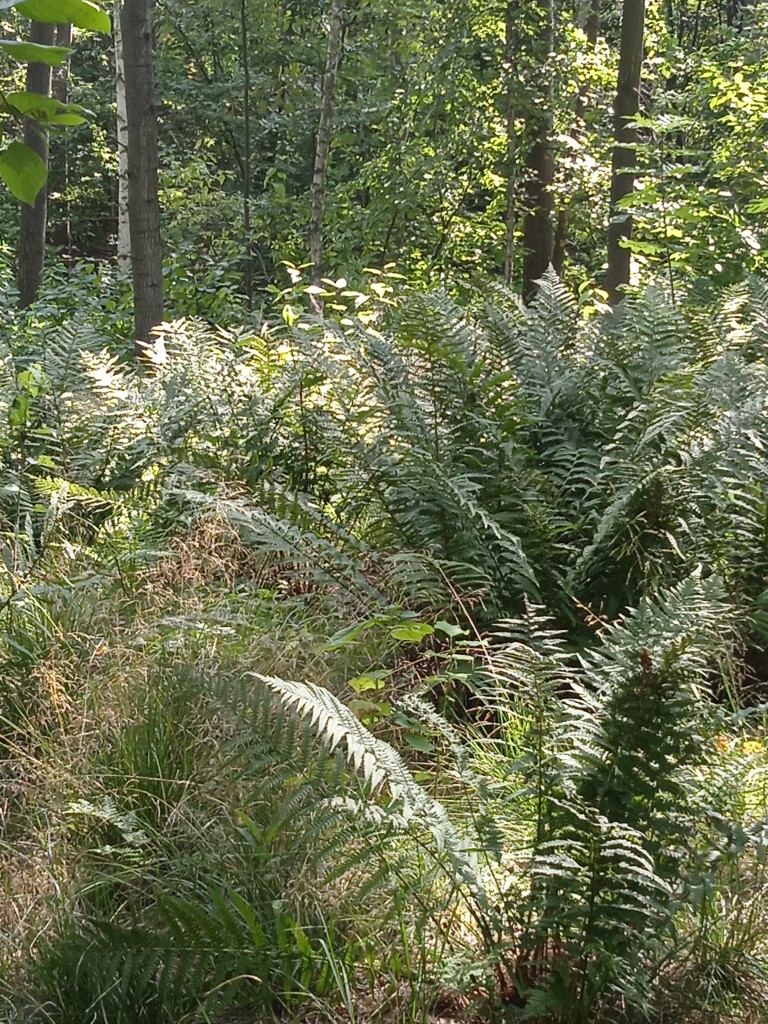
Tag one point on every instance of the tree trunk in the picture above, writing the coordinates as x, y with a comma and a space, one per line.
248, 276
592, 23
61, 71
60, 86
123, 219
590, 19
143, 201
510, 219
322, 150
34, 218
540, 164
623, 163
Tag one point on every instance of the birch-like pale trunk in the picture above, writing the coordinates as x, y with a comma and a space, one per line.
322, 150
60, 86
510, 219
123, 217
244, 57
589, 20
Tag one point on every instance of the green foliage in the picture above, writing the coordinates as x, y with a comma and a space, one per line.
202, 956
82, 13
21, 169
499, 452
419, 163
555, 809
623, 828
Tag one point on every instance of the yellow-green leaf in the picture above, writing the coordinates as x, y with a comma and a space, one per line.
81, 13
23, 172
34, 52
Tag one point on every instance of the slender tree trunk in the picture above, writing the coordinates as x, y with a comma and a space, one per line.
61, 71
624, 155
248, 277
34, 218
540, 164
143, 201
123, 218
510, 219
61, 92
322, 150
591, 25
561, 238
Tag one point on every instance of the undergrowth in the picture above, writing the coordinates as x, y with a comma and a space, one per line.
398, 666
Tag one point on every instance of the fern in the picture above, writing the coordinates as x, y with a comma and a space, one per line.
379, 764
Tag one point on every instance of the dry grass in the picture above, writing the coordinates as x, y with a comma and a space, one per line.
208, 605
200, 606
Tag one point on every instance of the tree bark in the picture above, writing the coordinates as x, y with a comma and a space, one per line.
540, 163
60, 85
510, 219
143, 201
625, 144
591, 25
123, 217
61, 71
33, 219
322, 150
248, 276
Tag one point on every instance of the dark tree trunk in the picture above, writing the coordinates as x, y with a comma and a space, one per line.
560, 240
34, 218
143, 201
322, 150
592, 24
624, 155
61, 71
540, 163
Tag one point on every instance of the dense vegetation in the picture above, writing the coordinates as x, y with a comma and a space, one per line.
391, 648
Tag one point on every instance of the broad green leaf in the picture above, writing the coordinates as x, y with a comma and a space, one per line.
28, 383
450, 629
418, 741
67, 120
32, 380
412, 632
45, 109
34, 52
23, 172
370, 710
33, 103
348, 634
370, 681
19, 411
81, 13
